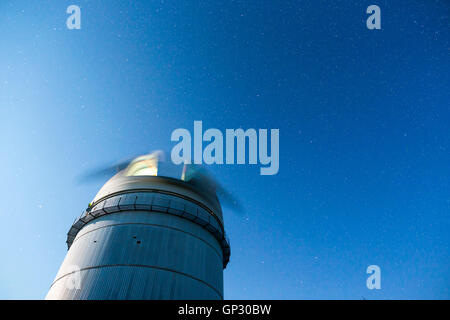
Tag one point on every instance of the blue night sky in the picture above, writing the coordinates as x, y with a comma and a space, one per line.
364, 133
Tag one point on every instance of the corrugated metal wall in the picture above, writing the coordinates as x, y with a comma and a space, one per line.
141, 255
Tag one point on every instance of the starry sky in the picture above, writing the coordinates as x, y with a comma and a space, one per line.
364, 133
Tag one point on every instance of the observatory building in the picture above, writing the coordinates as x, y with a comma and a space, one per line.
146, 236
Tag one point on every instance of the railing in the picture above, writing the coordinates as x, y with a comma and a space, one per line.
155, 202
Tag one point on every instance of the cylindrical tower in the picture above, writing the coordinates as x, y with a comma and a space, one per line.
145, 237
